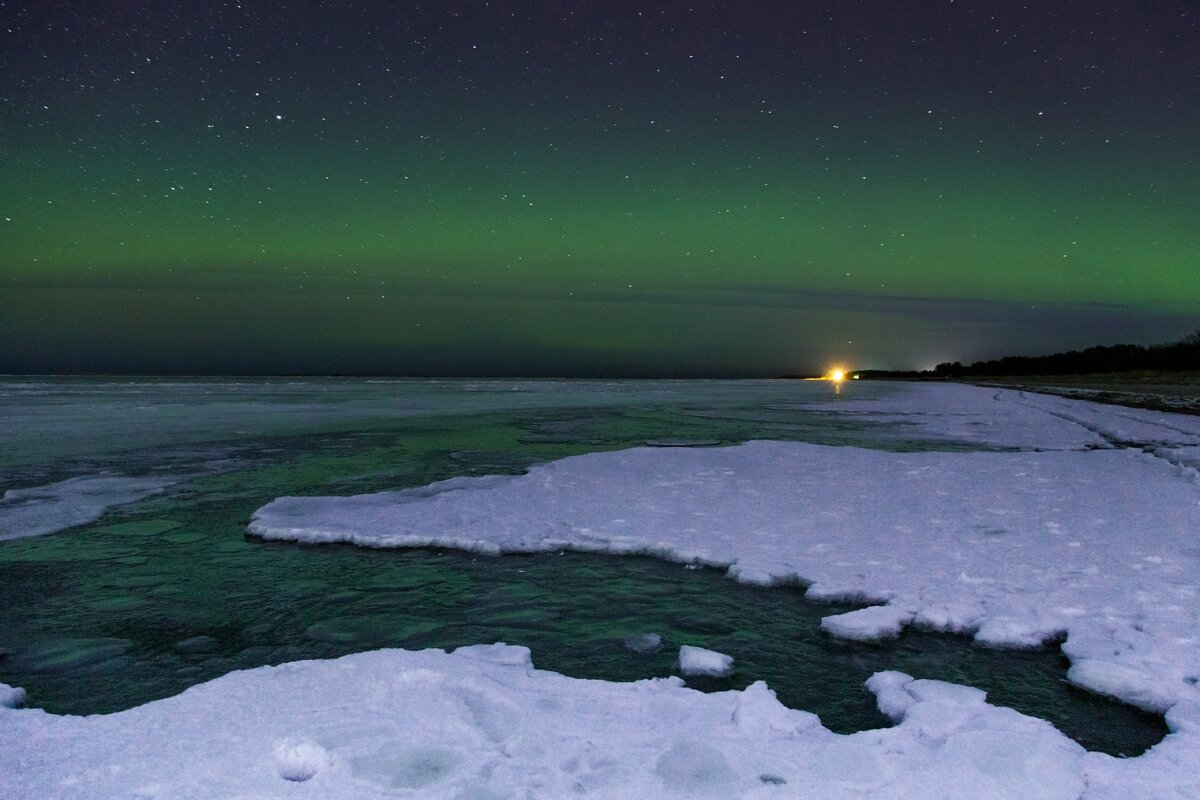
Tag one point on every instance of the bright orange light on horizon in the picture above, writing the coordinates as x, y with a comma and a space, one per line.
837, 374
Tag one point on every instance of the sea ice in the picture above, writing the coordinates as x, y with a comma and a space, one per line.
868, 624
77, 501
11, 696
482, 722
1094, 537
698, 661
1089, 537
47, 421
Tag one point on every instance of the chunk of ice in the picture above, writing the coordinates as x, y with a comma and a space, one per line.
11, 696
868, 624
1117, 680
698, 661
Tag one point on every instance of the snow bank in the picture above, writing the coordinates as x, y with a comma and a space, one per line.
1016, 548
78, 501
699, 661
481, 722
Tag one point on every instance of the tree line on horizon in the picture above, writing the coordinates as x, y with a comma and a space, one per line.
1182, 355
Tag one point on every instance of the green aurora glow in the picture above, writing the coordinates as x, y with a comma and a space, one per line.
563, 232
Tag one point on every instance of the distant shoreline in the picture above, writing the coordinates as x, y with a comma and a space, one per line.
1177, 392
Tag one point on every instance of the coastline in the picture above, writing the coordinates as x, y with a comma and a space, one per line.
1177, 392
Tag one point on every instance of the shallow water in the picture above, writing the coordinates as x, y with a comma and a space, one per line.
169, 592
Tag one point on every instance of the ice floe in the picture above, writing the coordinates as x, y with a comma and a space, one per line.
482, 722
699, 661
869, 624
11, 696
643, 643
57, 506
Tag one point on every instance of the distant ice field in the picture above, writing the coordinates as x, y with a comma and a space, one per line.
49, 420
75, 448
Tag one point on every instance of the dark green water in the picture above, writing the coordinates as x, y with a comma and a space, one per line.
145, 603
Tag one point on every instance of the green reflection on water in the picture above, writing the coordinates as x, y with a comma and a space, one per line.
110, 615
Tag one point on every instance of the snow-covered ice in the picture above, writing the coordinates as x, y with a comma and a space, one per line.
699, 661
11, 696
869, 624
1096, 540
57, 506
482, 722
1083, 522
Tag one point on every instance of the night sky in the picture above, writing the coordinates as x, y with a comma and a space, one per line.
592, 188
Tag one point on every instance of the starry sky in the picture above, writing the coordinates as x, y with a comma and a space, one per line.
592, 188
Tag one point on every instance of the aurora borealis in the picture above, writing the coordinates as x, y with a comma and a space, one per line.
591, 188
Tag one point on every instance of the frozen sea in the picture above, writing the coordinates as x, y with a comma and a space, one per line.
290, 588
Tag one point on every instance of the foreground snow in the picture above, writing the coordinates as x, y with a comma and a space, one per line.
481, 722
